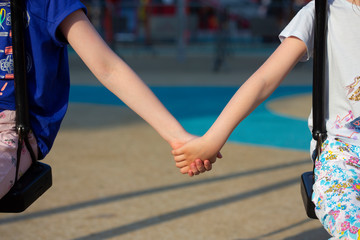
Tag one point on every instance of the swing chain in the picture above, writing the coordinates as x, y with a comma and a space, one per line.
320, 138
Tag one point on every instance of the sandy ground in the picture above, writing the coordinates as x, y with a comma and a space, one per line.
114, 177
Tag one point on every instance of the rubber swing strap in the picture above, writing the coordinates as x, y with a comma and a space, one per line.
18, 18
319, 93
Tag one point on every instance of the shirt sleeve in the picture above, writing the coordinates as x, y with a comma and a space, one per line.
57, 11
302, 27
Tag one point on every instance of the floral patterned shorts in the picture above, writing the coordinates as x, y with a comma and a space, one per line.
337, 189
8, 152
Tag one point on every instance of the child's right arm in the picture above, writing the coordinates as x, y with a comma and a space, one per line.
121, 80
253, 92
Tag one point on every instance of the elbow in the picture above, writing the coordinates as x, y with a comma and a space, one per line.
104, 71
265, 87
105, 66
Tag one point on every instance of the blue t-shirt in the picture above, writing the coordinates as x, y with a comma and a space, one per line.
47, 66
6, 58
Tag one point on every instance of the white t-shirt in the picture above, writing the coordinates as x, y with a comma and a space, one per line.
342, 66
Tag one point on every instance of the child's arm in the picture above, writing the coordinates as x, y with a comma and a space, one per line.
254, 91
117, 76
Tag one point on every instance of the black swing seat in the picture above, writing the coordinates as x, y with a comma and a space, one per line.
36, 180
307, 182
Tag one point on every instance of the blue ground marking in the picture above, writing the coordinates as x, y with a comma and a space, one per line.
198, 107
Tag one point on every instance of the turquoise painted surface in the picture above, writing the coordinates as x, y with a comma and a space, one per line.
198, 107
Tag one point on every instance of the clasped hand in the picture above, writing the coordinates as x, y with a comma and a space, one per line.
195, 156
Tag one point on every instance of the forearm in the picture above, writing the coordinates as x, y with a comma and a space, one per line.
257, 88
128, 87
244, 101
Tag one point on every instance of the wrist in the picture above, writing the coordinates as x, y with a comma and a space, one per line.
178, 137
217, 140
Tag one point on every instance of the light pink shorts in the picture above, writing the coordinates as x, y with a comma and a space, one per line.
8, 152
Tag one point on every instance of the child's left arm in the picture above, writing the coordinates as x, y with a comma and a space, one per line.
117, 76
253, 92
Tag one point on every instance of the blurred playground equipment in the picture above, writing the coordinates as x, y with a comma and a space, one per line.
215, 26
